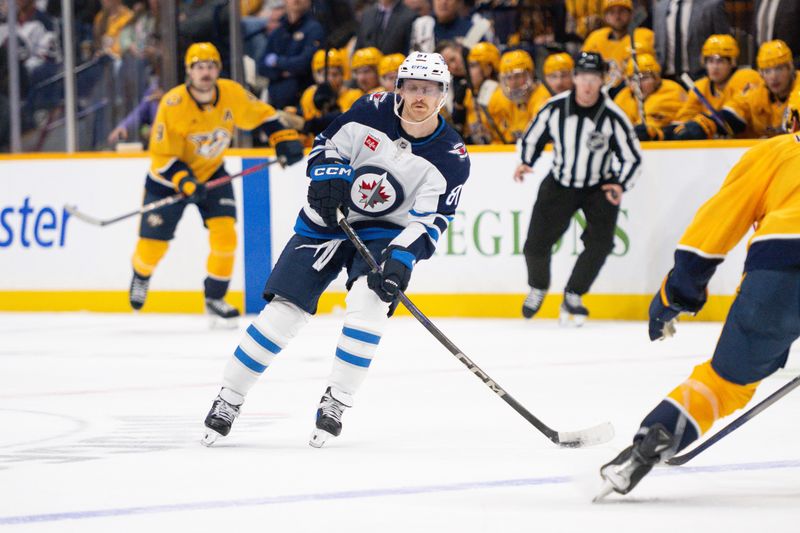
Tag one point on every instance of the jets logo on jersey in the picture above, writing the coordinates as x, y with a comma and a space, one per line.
375, 191
460, 150
212, 144
377, 98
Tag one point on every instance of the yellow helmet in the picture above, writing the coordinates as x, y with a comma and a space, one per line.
607, 4
646, 62
558, 62
202, 52
366, 57
791, 117
485, 54
773, 53
390, 63
722, 45
515, 60
644, 40
335, 59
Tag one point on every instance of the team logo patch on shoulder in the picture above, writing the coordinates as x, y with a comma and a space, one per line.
377, 98
173, 100
375, 191
460, 150
371, 142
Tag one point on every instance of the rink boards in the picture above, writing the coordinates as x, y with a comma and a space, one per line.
50, 261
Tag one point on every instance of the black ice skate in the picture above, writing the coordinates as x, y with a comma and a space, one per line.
627, 469
329, 416
222, 313
533, 302
221, 416
573, 313
138, 291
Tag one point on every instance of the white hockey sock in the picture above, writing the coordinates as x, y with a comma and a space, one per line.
364, 322
270, 332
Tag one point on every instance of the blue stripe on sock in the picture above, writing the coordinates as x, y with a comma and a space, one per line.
248, 361
352, 359
359, 335
262, 340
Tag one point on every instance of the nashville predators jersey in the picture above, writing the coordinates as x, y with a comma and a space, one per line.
188, 136
661, 107
762, 191
615, 51
757, 112
586, 14
511, 118
540, 96
345, 100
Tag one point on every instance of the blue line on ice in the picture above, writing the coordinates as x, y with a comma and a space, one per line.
367, 493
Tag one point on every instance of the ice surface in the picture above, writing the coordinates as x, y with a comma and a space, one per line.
101, 417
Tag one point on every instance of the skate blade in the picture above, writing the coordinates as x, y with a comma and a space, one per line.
217, 322
318, 438
568, 320
606, 489
210, 437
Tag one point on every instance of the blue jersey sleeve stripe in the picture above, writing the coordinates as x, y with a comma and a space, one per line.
418, 214
262, 341
248, 361
359, 335
363, 362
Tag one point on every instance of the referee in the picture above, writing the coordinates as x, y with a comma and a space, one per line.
596, 157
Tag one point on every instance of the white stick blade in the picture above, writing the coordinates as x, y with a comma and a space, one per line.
599, 434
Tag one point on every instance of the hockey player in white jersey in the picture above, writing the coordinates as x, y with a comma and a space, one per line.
396, 169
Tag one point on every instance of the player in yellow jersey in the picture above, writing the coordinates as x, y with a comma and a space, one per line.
387, 70
723, 82
759, 112
364, 65
483, 64
323, 102
663, 99
613, 41
511, 108
557, 71
763, 192
193, 127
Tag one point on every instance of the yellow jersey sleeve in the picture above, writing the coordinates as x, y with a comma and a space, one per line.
348, 97
249, 112
307, 103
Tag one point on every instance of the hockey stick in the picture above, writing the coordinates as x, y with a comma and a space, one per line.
727, 430
569, 439
703, 100
638, 17
169, 200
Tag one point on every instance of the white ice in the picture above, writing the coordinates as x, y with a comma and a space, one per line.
101, 417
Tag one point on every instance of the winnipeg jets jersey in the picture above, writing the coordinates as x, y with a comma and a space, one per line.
405, 189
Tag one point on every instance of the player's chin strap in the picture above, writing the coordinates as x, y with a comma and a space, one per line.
398, 101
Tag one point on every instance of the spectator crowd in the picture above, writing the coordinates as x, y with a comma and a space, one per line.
680, 69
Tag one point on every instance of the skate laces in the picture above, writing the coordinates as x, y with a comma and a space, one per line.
331, 407
139, 289
220, 306
224, 410
534, 298
573, 300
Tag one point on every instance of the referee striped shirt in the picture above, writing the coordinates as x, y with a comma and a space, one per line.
591, 145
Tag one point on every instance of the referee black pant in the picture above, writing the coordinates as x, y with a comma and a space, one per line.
551, 216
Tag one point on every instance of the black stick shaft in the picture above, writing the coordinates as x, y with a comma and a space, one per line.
739, 422
425, 321
169, 200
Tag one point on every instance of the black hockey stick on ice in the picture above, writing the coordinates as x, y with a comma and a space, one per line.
727, 430
568, 439
169, 200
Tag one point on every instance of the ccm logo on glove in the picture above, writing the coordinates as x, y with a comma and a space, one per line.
327, 172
